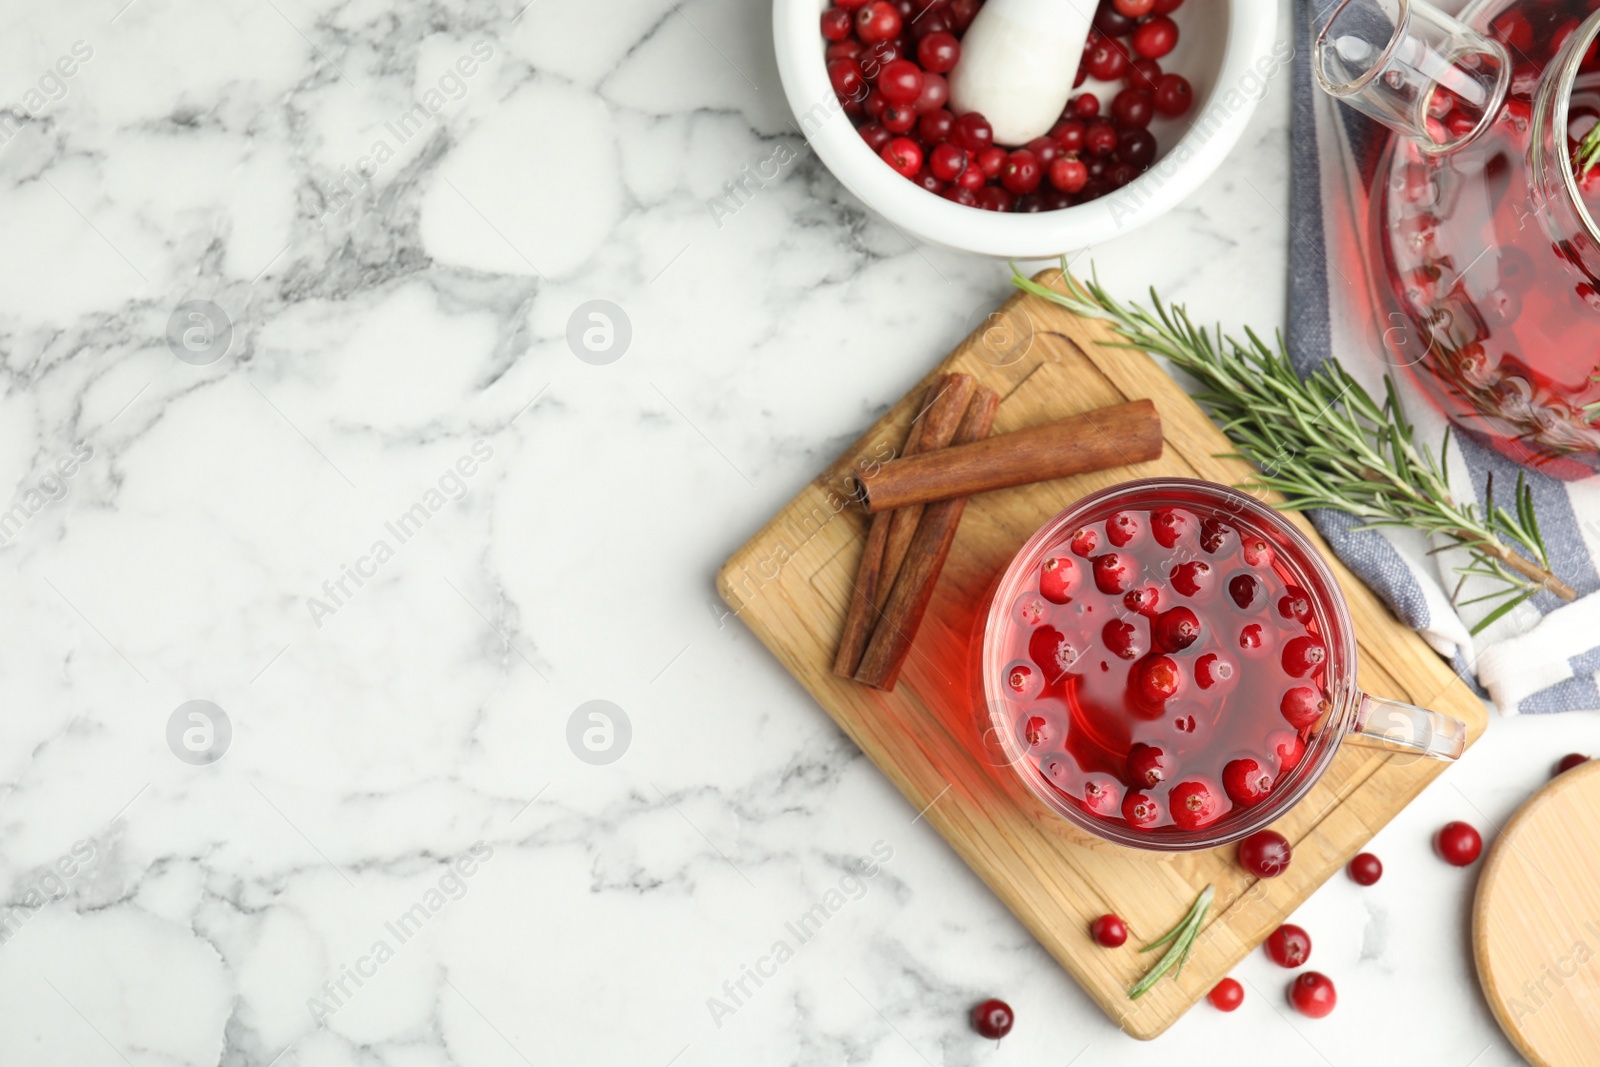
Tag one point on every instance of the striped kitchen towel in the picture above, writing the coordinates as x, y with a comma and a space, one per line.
1544, 655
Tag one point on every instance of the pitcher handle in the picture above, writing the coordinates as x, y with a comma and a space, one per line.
1397, 727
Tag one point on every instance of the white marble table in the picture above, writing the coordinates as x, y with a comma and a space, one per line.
399, 534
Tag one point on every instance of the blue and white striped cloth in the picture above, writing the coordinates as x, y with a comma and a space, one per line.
1545, 655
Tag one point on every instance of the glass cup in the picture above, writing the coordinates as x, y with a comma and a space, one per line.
1030, 732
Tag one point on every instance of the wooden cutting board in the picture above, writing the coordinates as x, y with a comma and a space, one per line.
790, 584
1536, 924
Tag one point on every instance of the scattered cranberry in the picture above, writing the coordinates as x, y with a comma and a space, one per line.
1458, 844
1312, 994
1289, 946
1570, 761
1265, 853
993, 1019
1109, 930
1365, 869
1226, 995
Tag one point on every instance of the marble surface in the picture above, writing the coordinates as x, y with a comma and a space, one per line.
397, 536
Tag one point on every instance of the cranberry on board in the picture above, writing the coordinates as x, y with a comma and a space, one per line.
1289, 946
1265, 853
1313, 995
1571, 760
993, 1019
1365, 869
1226, 995
1458, 844
1109, 930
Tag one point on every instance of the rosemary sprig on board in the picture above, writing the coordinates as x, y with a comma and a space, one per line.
1181, 938
1323, 442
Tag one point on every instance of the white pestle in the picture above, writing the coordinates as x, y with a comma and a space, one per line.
1018, 60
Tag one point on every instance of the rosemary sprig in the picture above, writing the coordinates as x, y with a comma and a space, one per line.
1323, 442
1181, 938
1588, 153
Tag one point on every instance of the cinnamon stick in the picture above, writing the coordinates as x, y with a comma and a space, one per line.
1109, 437
886, 653
941, 412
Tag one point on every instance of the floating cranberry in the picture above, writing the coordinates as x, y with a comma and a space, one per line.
1246, 781
1226, 995
1021, 679
973, 132
1132, 107
878, 21
1192, 577
1302, 706
1245, 591
1145, 601
1214, 535
1303, 656
1085, 541
1022, 172
1295, 605
993, 1019
1265, 853
1173, 95
1458, 844
1055, 655
1289, 946
1313, 995
1123, 639
1252, 638
1213, 671
1289, 749
1110, 931
1149, 766
1140, 809
836, 24
1195, 804
1570, 761
938, 52
1122, 528
1058, 575
1365, 869
1158, 679
1155, 37
1115, 572
1176, 629
904, 155
1102, 796
1167, 525
1068, 174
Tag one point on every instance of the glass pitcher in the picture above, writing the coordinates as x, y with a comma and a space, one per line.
1482, 238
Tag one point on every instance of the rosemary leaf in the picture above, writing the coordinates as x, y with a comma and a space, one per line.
1181, 938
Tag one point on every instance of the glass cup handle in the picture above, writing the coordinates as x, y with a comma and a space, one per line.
1397, 727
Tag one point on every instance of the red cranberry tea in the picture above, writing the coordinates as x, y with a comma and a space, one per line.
1165, 666
888, 63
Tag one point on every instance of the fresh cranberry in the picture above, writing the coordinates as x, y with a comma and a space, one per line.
1256, 552
1111, 22
935, 126
1303, 656
848, 81
1143, 74
850, 4
1570, 761
1122, 528
1103, 796
1158, 679
879, 21
849, 48
1022, 172
1132, 107
1068, 174
1191, 577
1149, 766
1214, 535
1058, 575
875, 135
973, 178
1155, 37
962, 12
1020, 678
1083, 106
1045, 150
1289, 946
994, 198
993, 1019
1120, 173
1110, 931
900, 82
880, 54
1037, 732
1068, 133
1085, 541
992, 160
1167, 525
1143, 601
1312, 994
1213, 670
1195, 804
926, 179
1115, 572
960, 194
1458, 844
1265, 853
1288, 748
836, 24
973, 132
946, 162
1245, 591
938, 52
1136, 147
1302, 706
1140, 809
1226, 995
1247, 783
1295, 605
930, 22
1100, 138
935, 93
1252, 638
899, 118
1123, 639
1173, 95
1365, 869
1050, 649
904, 155
1107, 59
1165, 7
874, 105
1176, 629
